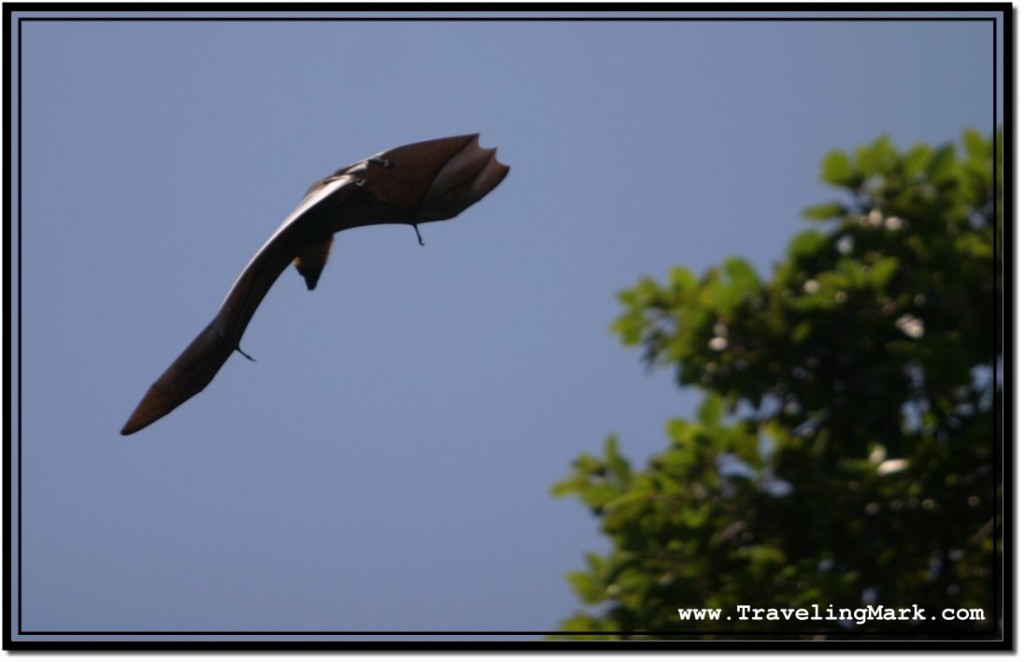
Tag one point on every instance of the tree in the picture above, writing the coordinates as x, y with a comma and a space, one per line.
846, 450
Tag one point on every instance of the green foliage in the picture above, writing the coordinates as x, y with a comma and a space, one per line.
844, 451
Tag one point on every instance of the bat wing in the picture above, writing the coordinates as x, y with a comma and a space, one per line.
429, 181
202, 359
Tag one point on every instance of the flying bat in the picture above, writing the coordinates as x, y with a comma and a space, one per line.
427, 181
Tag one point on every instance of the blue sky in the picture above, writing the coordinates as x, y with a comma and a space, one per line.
385, 463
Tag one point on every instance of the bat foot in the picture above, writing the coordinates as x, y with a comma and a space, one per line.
416, 227
239, 350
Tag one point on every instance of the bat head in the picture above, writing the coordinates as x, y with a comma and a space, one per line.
432, 180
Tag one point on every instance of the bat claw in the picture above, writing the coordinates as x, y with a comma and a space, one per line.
239, 350
416, 227
381, 163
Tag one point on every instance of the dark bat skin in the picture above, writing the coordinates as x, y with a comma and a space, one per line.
423, 182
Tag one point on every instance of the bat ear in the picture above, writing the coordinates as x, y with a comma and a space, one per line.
311, 261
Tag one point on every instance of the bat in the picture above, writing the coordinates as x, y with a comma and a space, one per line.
426, 181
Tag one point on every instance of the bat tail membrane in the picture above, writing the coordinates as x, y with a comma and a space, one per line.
466, 177
188, 375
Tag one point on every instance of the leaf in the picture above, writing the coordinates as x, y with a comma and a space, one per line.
942, 164
630, 328
678, 429
587, 586
741, 282
763, 555
976, 145
878, 158
801, 332
710, 412
824, 211
619, 465
565, 487
914, 161
741, 273
881, 272
682, 279
837, 169
808, 242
